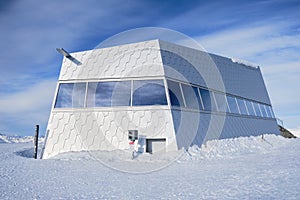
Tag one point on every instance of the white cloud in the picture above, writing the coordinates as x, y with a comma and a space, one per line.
34, 98
248, 42
20, 111
296, 131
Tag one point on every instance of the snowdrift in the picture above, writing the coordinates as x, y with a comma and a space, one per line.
239, 168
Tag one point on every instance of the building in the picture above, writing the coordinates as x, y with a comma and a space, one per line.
171, 96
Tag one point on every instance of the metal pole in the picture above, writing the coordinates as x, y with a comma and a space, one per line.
36, 140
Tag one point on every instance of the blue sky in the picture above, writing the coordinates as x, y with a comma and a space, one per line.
262, 32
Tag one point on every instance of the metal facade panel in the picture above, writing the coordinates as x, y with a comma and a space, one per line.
130, 60
242, 80
105, 130
194, 128
244, 126
214, 72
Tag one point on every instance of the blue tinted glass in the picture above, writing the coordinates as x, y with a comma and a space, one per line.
207, 99
196, 91
191, 96
232, 105
250, 108
242, 106
268, 111
257, 110
70, 95
271, 112
149, 92
263, 111
175, 94
106, 94
221, 102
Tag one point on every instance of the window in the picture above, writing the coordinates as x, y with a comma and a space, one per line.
268, 111
242, 106
70, 95
191, 96
149, 92
271, 111
257, 110
175, 94
152, 92
221, 102
232, 105
207, 99
263, 111
104, 94
250, 108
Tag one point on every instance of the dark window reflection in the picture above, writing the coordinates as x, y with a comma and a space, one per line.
149, 92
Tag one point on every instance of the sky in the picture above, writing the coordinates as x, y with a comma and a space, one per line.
263, 32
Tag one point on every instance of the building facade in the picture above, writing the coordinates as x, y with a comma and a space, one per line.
172, 96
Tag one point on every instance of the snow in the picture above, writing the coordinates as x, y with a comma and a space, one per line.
240, 168
296, 132
243, 62
15, 139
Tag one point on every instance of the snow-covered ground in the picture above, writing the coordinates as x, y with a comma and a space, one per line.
15, 139
241, 168
296, 132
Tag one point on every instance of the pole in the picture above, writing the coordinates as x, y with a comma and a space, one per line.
36, 140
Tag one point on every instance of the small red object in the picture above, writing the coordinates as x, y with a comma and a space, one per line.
131, 142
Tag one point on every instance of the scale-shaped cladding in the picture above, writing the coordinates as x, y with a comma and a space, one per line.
156, 95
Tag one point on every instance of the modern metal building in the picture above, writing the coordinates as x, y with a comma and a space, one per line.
172, 96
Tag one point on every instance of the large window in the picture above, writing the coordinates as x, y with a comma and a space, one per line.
175, 94
191, 96
153, 92
70, 95
221, 102
149, 92
106, 94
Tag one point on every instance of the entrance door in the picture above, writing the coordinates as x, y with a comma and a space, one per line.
155, 145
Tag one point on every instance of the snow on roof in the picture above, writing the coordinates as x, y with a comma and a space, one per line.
244, 62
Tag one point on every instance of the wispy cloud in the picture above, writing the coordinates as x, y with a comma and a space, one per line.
21, 110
